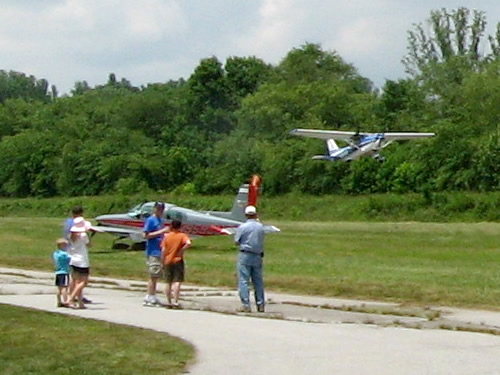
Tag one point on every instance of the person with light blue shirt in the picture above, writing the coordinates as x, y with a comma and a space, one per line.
249, 238
61, 261
154, 228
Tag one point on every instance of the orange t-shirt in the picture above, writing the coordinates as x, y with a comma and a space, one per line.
171, 245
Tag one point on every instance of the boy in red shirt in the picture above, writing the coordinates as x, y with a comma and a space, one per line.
173, 246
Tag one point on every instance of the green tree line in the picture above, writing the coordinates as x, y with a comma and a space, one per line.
231, 119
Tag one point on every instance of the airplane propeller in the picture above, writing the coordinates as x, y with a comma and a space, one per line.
356, 137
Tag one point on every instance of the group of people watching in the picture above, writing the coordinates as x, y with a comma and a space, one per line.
71, 261
165, 247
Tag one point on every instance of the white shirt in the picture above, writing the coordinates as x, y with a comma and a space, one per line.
79, 251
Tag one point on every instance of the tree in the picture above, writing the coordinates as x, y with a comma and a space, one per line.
18, 85
244, 75
402, 106
233, 159
80, 88
310, 63
17, 115
311, 88
209, 99
454, 38
30, 164
495, 42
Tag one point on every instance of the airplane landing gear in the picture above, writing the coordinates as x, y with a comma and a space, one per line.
138, 246
125, 246
120, 246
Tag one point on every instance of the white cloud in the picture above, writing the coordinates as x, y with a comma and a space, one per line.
155, 19
361, 37
70, 15
278, 27
156, 40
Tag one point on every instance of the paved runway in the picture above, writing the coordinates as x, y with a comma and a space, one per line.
272, 343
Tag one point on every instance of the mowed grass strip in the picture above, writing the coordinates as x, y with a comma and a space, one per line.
40, 343
452, 264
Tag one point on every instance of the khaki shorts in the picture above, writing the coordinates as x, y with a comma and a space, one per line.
154, 266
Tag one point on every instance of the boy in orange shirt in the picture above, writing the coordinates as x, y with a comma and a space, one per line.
173, 246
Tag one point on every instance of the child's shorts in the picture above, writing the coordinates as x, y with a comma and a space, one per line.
174, 272
62, 280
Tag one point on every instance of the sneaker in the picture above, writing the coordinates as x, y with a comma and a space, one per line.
148, 301
260, 308
151, 301
155, 300
86, 300
244, 309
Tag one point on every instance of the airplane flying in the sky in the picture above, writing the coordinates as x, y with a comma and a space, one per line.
360, 144
195, 223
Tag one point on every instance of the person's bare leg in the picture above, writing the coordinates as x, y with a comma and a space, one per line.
168, 293
77, 291
60, 300
176, 288
64, 295
85, 281
71, 284
153, 281
80, 282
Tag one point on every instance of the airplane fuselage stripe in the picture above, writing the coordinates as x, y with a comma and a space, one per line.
193, 229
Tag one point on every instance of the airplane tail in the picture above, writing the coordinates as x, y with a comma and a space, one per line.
331, 146
248, 194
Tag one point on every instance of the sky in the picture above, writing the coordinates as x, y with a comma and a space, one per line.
154, 41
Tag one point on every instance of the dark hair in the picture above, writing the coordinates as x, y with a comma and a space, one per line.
77, 210
159, 204
176, 224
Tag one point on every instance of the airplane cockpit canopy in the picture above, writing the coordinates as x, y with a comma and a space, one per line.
144, 210
175, 213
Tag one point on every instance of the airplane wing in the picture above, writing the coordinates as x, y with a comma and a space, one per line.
326, 134
271, 229
135, 235
396, 136
94, 228
267, 229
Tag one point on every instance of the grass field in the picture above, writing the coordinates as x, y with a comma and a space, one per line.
41, 343
416, 263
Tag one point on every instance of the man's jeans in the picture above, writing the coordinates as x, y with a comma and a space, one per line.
250, 268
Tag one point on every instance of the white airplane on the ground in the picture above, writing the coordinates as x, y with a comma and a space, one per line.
360, 144
196, 223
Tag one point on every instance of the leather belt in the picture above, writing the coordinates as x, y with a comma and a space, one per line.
251, 252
